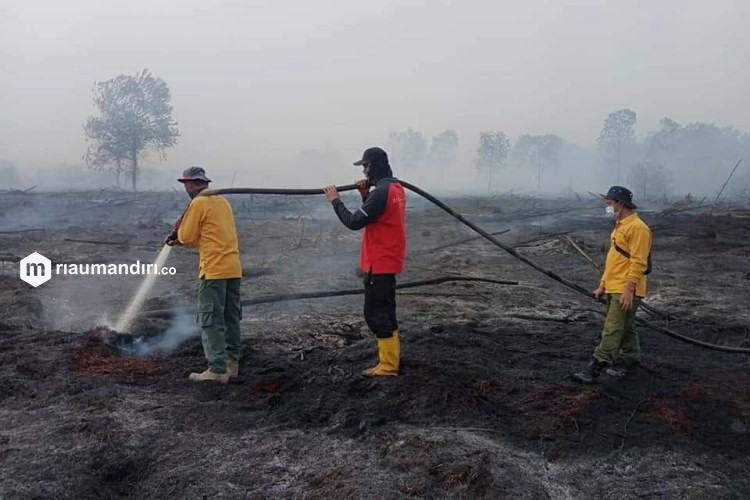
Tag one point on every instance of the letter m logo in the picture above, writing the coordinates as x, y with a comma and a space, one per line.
35, 269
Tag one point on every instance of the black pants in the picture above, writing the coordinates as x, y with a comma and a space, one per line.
380, 304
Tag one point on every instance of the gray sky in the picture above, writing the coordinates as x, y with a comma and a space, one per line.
254, 82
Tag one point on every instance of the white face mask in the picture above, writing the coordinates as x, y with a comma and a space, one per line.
609, 210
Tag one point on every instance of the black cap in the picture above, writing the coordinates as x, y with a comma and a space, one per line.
621, 194
374, 156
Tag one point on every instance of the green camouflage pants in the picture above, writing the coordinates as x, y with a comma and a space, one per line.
619, 338
219, 315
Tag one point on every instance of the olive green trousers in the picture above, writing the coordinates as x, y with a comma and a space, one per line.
619, 340
219, 316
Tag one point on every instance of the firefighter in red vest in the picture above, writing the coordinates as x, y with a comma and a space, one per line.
382, 214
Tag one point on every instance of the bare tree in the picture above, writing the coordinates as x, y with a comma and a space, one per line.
537, 150
652, 179
104, 152
135, 116
411, 146
444, 148
617, 131
492, 151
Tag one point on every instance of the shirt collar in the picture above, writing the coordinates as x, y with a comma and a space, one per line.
627, 220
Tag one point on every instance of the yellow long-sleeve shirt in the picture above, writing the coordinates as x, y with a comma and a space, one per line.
634, 236
208, 224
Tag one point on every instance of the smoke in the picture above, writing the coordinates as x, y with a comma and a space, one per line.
183, 328
9, 174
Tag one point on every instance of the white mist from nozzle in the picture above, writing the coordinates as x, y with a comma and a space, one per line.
126, 320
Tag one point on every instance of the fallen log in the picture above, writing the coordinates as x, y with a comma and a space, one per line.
582, 253
116, 243
22, 231
724, 186
461, 242
533, 215
22, 191
536, 317
539, 239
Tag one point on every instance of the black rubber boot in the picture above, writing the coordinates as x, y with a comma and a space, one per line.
591, 372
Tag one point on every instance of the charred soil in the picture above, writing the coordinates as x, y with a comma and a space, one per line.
484, 408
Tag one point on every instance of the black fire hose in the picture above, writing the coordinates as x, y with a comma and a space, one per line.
319, 294
360, 291
574, 286
297, 192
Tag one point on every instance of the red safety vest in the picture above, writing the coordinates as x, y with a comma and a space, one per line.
384, 240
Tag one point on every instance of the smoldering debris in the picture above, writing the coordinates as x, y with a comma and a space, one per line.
108, 352
182, 328
99, 355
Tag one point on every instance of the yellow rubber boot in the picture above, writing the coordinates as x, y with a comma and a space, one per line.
389, 351
372, 370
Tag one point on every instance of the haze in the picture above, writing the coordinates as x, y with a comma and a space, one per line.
256, 83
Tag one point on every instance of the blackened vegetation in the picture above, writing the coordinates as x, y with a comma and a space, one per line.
467, 380
484, 408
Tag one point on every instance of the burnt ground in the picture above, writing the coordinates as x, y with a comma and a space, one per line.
484, 407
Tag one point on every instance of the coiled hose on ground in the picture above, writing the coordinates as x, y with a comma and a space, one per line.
574, 286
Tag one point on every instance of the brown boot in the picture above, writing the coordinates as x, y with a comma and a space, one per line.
209, 376
233, 368
389, 352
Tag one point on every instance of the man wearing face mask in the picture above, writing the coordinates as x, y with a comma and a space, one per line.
382, 215
208, 224
624, 284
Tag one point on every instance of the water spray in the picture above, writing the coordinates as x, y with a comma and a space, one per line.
126, 320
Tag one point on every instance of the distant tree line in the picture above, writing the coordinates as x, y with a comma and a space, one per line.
651, 164
410, 149
134, 119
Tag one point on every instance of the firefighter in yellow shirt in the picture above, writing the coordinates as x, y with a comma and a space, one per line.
623, 284
208, 224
